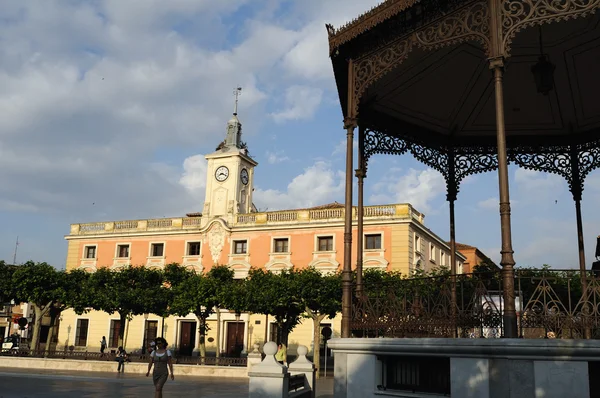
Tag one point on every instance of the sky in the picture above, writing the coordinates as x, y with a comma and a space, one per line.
108, 108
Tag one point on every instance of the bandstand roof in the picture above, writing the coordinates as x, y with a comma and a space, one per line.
421, 71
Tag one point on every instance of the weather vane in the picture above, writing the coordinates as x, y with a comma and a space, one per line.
237, 92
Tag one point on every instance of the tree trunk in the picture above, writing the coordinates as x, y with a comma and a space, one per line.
218, 332
123, 319
202, 339
317, 318
37, 325
54, 314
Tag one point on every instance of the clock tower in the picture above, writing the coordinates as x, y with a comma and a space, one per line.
230, 175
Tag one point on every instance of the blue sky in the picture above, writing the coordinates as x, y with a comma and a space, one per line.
109, 106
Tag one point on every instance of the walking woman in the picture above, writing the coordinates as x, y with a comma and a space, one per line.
161, 359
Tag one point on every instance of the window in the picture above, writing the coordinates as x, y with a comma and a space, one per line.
193, 248
280, 245
157, 249
151, 331
123, 251
115, 330
240, 247
417, 244
431, 252
442, 258
373, 241
82, 332
90, 252
325, 243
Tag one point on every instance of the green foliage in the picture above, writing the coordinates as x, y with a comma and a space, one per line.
7, 291
276, 295
38, 283
131, 291
319, 294
77, 294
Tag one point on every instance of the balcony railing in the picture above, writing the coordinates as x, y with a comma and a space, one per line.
549, 304
393, 211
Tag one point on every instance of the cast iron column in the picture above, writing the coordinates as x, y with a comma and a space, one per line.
349, 124
360, 175
451, 197
576, 190
507, 261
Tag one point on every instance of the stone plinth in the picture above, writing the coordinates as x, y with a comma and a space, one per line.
268, 379
479, 368
305, 367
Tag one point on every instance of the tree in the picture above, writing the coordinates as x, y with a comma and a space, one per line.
42, 286
74, 294
198, 294
129, 292
7, 291
276, 295
321, 296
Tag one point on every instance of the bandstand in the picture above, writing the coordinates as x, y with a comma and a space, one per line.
467, 86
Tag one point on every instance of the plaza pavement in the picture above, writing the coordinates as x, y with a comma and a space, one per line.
17, 383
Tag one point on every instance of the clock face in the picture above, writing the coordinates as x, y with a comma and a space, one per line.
222, 173
244, 176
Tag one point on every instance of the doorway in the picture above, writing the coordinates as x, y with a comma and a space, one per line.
235, 338
187, 338
150, 333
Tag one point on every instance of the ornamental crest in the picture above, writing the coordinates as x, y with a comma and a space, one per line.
216, 240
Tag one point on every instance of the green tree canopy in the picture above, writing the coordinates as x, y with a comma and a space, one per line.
128, 292
275, 295
42, 286
321, 296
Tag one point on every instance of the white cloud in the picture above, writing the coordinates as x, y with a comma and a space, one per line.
276, 157
194, 175
301, 102
340, 148
319, 184
536, 181
417, 187
489, 204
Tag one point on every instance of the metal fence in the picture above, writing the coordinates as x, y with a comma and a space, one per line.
549, 303
137, 358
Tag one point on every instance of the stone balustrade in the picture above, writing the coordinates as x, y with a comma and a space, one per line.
380, 212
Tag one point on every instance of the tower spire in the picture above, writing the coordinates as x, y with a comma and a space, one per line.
237, 92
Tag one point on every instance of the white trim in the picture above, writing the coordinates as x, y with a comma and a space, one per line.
85, 249
186, 248
289, 245
380, 263
232, 249
316, 243
242, 271
330, 265
92, 268
432, 253
151, 245
117, 245
270, 266
381, 243
118, 267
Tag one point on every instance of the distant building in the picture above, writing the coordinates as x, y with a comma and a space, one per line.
473, 257
232, 232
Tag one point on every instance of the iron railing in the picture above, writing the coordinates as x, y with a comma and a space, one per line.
549, 303
137, 358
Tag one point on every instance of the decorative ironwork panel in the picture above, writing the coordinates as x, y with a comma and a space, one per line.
588, 159
471, 23
382, 143
520, 14
551, 304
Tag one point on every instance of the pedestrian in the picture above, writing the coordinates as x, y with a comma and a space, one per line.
161, 358
281, 355
121, 358
103, 345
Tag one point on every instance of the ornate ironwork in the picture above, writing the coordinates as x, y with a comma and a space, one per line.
519, 14
550, 304
383, 143
572, 163
471, 23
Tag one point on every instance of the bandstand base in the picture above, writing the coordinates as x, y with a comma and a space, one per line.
465, 368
